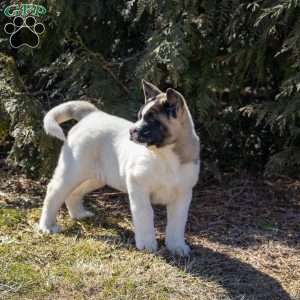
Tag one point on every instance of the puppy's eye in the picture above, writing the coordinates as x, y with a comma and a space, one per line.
150, 116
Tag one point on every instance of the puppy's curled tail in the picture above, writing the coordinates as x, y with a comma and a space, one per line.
76, 110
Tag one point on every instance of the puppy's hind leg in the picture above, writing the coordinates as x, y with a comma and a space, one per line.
75, 200
66, 178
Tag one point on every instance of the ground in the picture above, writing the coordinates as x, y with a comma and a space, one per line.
244, 232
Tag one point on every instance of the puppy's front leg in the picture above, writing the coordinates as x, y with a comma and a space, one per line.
177, 212
143, 219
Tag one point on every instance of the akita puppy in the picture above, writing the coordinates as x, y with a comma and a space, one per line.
155, 160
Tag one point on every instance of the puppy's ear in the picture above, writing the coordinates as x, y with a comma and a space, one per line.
174, 98
150, 90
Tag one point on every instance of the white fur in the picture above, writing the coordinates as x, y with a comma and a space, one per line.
61, 113
98, 152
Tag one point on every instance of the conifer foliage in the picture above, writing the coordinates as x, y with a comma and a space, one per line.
237, 63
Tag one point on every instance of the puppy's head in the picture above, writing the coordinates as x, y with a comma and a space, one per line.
160, 119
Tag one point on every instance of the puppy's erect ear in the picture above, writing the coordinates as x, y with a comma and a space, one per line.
150, 90
174, 98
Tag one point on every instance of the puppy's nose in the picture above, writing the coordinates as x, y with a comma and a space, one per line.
133, 130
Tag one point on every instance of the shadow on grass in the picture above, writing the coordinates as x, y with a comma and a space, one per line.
239, 279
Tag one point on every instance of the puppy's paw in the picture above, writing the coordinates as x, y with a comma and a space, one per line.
178, 248
149, 245
49, 229
83, 214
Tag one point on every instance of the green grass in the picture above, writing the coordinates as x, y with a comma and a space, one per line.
66, 266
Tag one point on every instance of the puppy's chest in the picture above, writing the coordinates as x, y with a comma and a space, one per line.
165, 194
169, 185
165, 177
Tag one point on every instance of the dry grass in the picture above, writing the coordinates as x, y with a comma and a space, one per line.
244, 234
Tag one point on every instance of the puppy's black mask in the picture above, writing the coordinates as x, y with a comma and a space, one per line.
149, 130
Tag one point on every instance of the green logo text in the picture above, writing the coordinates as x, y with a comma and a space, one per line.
25, 10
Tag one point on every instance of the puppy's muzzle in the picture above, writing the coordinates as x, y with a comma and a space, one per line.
139, 135
133, 133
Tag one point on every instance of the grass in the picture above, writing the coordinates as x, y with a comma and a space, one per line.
244, 234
